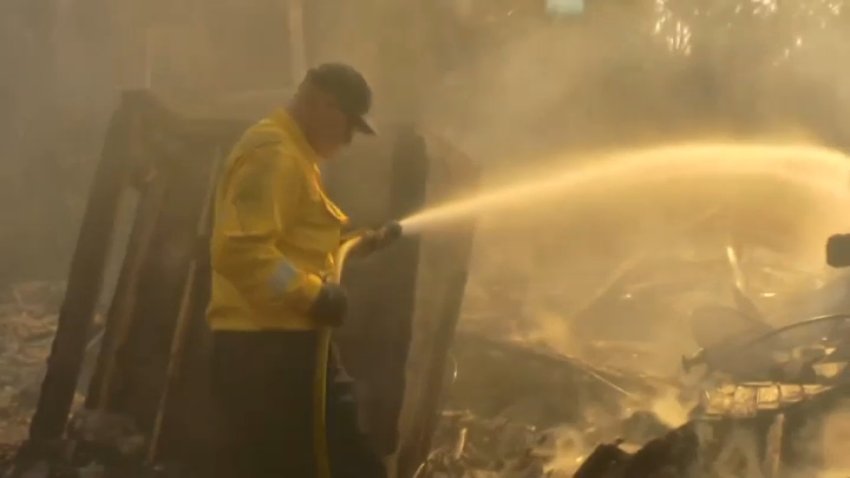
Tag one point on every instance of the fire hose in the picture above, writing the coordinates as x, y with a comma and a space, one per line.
368, 240
365, 240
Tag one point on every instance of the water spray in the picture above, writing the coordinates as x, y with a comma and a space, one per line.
820, 170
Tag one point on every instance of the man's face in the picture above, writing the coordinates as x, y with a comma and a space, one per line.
332, 129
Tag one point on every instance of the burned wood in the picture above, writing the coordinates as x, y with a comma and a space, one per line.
124, 298
152, 149
620, 384
436, 322
84, 283
417, 445
166, 157
172, 297
374, 342
189, 307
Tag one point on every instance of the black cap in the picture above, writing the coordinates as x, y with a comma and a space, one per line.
349, 88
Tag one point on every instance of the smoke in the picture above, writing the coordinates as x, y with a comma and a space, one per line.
570, 450
640, 72
613, 269
670, 408
57, 93
501, 79
612, 277
630, 76
623, 76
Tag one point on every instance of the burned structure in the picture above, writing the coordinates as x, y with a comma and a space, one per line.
510, 81
147, 402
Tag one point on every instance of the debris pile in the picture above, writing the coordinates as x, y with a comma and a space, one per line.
515, 410
711, 357
28, 320
766, 407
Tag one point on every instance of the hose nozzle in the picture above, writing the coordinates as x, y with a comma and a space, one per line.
390, 231
372, 240
383, 236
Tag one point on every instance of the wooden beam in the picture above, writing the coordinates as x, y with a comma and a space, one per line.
444, 264
84, 283
124, 297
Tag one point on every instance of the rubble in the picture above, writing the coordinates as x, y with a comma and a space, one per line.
107, 434
566, 360
752, 426
519, 408
28, 320
520, 411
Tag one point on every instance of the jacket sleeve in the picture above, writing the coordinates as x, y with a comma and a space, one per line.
257, 200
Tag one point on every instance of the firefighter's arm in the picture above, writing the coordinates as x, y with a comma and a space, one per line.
259, 199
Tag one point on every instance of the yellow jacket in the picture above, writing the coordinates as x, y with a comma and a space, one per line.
274, 233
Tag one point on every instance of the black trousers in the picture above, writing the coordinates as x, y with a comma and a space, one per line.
263, 389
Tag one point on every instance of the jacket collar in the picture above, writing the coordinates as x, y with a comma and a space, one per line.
285, 121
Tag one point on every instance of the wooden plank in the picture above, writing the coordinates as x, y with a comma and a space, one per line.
186, 150
144, 355
124, 297
440, 292
426, 369
375, 340
166, 136
84, 283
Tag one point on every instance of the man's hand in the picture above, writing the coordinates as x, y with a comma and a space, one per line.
330, 306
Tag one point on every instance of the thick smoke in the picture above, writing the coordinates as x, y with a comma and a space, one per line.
629, 75
613, 276
507, 85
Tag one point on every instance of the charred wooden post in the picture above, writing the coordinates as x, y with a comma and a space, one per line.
399, 270
409, 292
85, 281
170, 160
444, 271
154, 369
375, 340
124, 296
192, 304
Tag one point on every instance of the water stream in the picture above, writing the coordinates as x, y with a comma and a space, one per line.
821, 171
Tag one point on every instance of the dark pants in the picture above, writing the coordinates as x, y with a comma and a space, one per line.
262, 386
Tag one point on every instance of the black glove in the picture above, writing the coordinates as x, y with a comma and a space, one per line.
330, 306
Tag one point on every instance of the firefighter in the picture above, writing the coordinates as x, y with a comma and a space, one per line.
274, 235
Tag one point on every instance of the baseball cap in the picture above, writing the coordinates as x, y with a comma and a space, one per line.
350, 90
